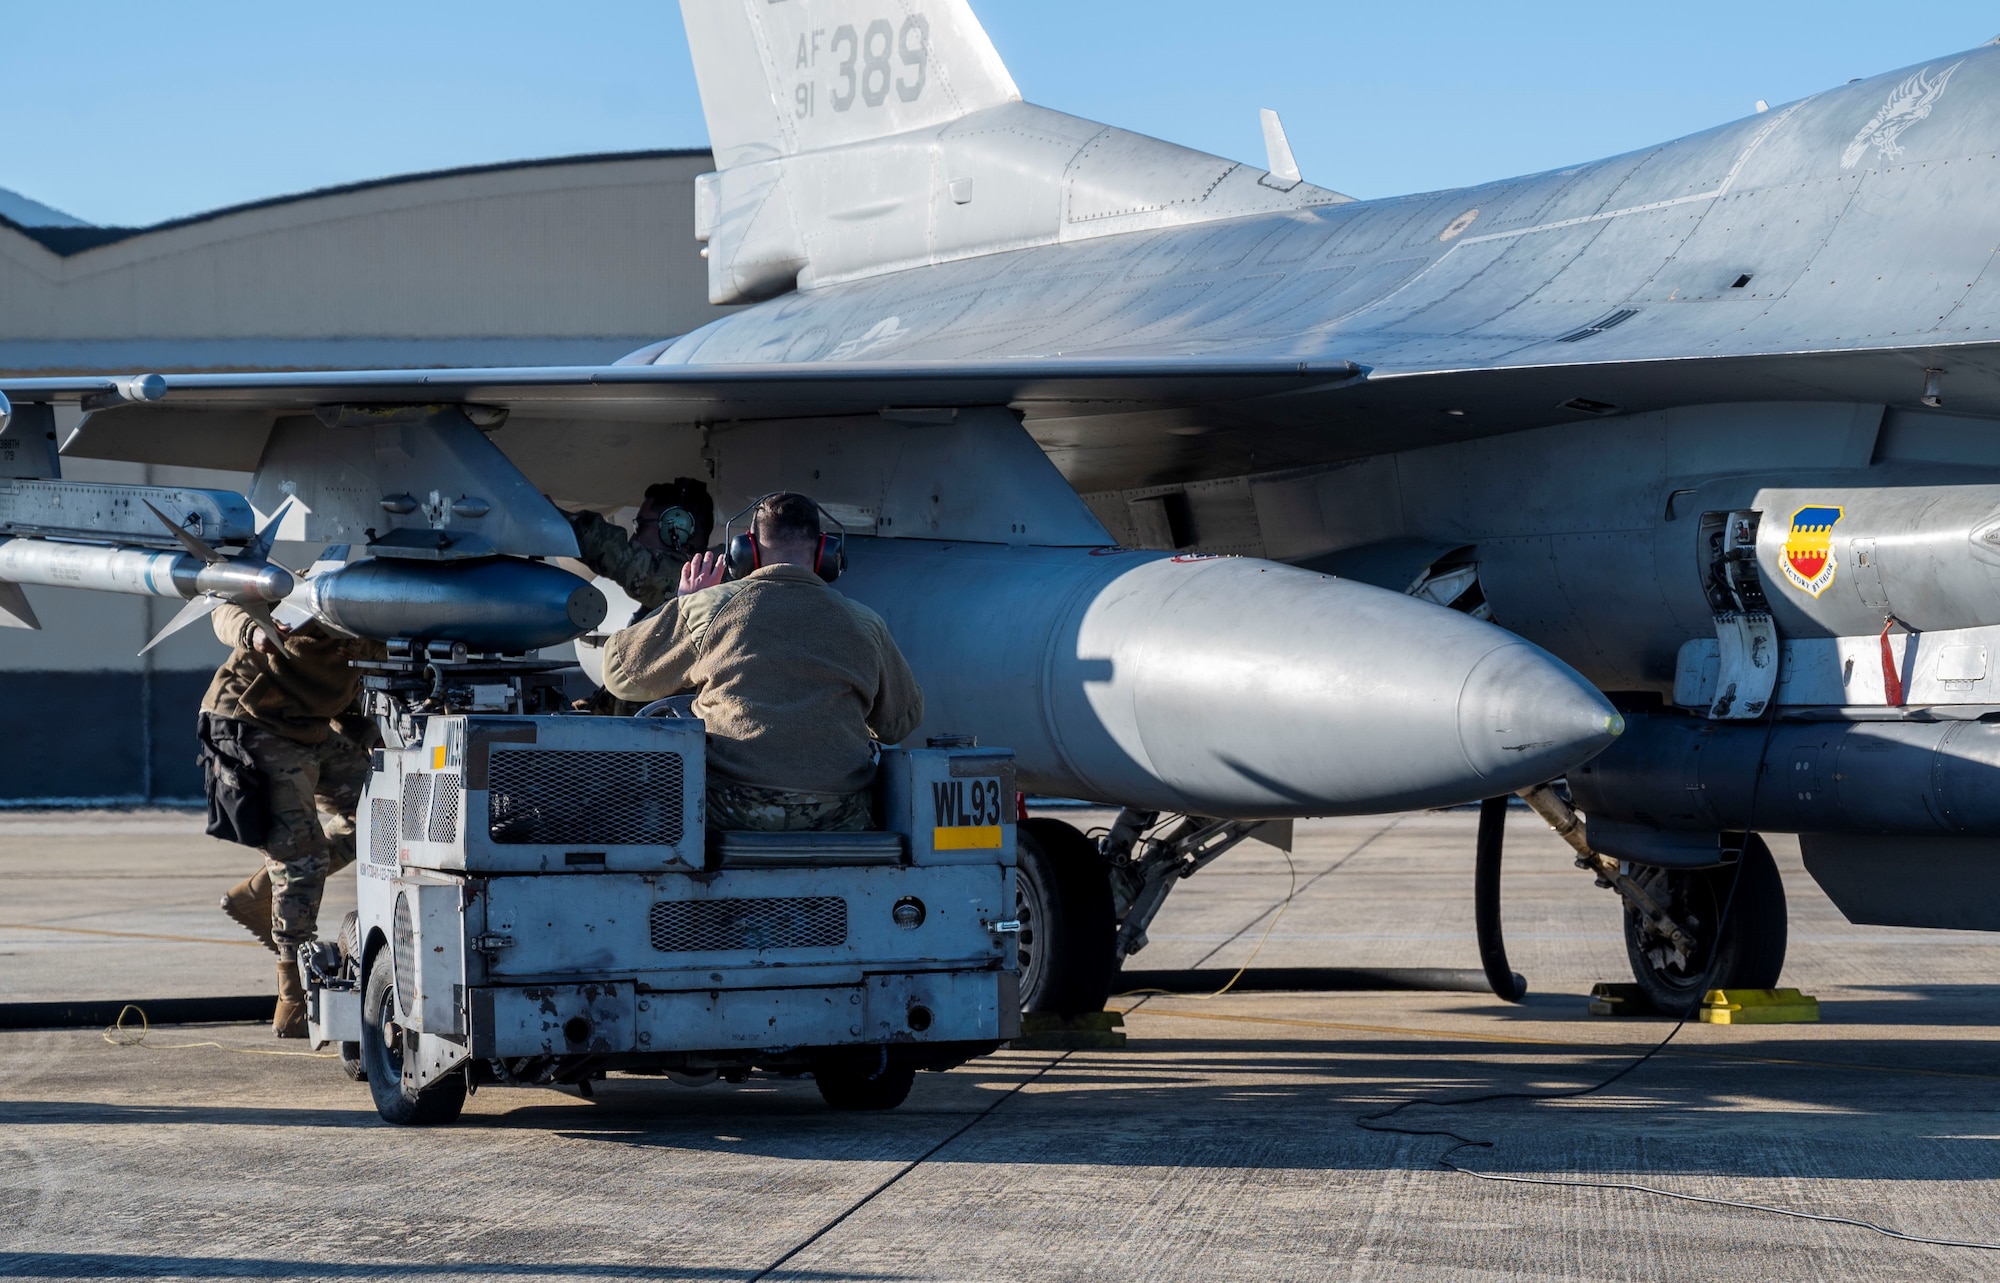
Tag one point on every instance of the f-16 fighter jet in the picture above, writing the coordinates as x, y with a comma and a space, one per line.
1664, 489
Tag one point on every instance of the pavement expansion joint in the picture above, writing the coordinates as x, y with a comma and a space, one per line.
909, 1167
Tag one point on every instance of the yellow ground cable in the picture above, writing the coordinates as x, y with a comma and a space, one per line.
117, 1034
125, 935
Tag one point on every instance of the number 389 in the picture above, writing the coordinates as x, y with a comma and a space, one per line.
867, 71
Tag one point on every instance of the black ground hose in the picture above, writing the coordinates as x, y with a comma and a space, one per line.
1508, 985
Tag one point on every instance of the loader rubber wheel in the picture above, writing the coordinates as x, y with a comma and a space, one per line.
1069, 932
1747, 953
868, 1080
383, 1039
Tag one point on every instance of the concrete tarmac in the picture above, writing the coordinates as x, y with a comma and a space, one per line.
1222, 1143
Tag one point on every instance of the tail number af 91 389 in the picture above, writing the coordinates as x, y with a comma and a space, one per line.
868, 64
968, 814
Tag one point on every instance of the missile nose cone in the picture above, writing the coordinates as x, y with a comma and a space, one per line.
1525, 717
275, 583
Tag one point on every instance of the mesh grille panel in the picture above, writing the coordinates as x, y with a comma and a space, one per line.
405, 952
416, 802
711, 926
444, 809
584, 797
382, 820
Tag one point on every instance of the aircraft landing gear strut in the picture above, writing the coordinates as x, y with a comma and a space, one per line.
1084, 907
1686, 930
1145, 868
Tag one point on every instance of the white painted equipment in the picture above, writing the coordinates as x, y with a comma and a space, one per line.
541, 903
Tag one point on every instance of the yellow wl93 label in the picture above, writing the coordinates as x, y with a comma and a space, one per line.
968, 814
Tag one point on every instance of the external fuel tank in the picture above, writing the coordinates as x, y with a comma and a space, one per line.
1223, 686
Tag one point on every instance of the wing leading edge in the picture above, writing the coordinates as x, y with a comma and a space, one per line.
1171, 418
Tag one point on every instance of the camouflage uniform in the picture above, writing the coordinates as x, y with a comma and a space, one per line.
314, 789
285, 705
647, 577
747, 806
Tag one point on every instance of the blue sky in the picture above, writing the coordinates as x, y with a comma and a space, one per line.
131, 113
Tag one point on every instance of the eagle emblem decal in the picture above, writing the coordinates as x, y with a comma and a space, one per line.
1808, 560
1909, 103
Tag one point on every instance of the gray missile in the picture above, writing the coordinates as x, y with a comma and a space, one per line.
1223, 686
141, 571
202, 576
505, 604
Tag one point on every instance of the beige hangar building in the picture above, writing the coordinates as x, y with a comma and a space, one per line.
574, 260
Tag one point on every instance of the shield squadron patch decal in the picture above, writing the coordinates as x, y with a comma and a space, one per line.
1809, 562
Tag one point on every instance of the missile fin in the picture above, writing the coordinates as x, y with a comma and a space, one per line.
15, 612
192, 543
199, 608
332, 557
258, 611
259, 549
292, 616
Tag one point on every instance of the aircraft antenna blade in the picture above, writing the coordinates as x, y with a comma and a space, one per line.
1278, 148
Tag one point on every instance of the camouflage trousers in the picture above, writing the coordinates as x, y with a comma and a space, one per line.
748, 806
314, 789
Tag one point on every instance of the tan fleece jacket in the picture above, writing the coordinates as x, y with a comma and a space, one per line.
294, 693
791, 677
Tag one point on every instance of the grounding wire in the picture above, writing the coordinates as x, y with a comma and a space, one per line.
120, 1034
1374, 1122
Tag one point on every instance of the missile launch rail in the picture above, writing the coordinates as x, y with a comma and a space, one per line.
542, 903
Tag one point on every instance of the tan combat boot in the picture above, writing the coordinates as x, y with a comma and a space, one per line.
289, 1019
249, 904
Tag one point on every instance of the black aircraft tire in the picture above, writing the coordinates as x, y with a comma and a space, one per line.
1751, 952
382, 1061
1068, 926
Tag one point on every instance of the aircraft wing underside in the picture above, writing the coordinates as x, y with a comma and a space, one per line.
1163, 418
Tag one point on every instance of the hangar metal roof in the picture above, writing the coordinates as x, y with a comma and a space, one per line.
79, 237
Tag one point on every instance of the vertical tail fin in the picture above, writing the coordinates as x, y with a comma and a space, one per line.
780, 77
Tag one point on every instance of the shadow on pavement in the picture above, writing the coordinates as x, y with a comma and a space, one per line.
1723, 1113
110, 1265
